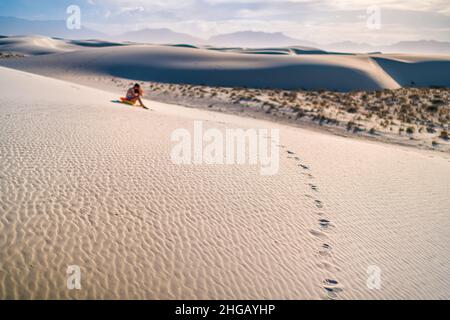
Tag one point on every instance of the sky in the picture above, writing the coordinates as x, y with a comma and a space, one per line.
320, 21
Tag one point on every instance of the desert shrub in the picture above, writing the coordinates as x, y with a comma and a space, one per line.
432, 109
410, 130
350, 125
437, 102
296, 107
405, 108
291, 95
444, 135
300, 114
431, 130
443, 112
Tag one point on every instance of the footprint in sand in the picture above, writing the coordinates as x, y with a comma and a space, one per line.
319, 204
332, 292
308, 175
303, 166
330, 282
326, 250
324, 223
331, 286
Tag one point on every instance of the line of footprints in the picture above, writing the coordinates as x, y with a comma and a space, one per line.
330, 286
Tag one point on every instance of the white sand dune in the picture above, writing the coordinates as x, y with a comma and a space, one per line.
294, 50
35, 45
421, 71
281, 68
198, 66
87, 182
95, 43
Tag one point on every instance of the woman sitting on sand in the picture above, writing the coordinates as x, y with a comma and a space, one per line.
135, 93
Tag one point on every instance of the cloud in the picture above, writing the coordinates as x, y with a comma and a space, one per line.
316, 20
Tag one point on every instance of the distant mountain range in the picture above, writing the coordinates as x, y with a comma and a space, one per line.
256, 39
162, 36
421, 46
424, 46
251, 39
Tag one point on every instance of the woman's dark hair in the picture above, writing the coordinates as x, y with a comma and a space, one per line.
137, 85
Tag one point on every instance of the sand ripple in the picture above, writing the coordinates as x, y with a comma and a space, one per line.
89, 183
